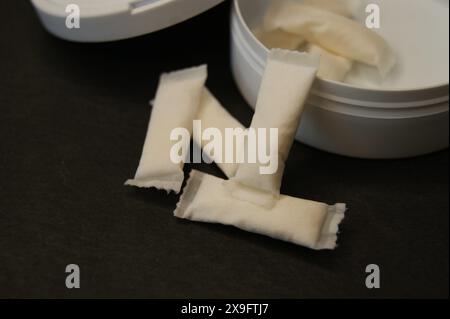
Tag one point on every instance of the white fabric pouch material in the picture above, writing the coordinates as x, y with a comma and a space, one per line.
302, 222
333, 32
332, 67
285, 86
176, 105
278, 39
345, 8
213, 115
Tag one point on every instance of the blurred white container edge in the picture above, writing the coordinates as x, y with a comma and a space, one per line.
104, 20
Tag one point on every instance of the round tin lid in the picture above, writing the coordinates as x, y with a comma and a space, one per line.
109, 20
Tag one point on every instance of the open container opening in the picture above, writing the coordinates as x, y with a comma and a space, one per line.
404, 115
419, 41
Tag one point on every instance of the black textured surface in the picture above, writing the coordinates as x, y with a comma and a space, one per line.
72, 122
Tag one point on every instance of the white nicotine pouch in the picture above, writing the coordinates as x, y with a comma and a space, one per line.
345, 8
335, 33
278, 39
302, 222
285, 86
175, 107
332, 67
215, 121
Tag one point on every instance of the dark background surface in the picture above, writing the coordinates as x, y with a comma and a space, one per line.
72, 122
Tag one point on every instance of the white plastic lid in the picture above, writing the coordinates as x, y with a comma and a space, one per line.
108, 20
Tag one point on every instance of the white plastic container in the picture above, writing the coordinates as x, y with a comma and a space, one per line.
108, 20
407, 117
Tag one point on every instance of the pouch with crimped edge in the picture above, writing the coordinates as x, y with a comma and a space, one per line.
333, 32
285, 86
175, 106
213, 115
311, 224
